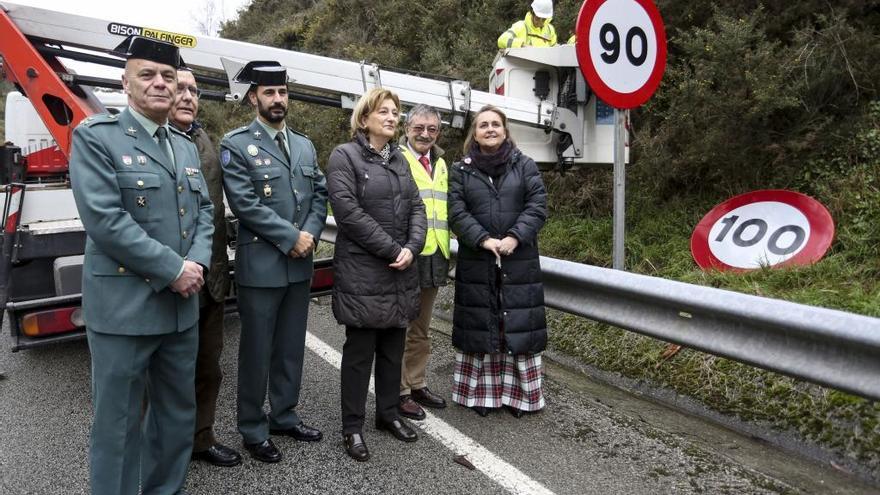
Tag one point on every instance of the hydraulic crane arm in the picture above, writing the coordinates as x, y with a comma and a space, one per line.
341, 79
60, 107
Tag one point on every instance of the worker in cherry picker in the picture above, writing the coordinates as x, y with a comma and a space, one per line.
534, 30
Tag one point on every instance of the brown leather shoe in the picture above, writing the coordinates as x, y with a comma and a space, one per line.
428, 399
410, 409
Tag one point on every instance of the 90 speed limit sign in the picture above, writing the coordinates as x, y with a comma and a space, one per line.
763, 228
621, 50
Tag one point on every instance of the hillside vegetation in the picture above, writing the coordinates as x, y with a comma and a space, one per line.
756, 95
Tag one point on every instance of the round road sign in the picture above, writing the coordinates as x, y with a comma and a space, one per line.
621, 50
763, 228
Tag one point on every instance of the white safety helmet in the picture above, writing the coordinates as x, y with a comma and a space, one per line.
543, 8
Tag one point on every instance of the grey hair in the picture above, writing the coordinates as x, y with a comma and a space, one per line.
422, 110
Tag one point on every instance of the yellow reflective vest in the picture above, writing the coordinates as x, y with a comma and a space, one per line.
433, 192
524, 33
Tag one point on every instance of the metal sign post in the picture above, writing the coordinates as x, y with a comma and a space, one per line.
618, 253
621, 50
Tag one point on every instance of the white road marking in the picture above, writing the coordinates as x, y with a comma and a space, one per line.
509, 477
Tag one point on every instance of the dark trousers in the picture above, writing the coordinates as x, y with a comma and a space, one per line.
270, 353
361, 344
208, 372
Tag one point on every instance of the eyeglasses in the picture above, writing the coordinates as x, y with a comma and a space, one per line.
419, 129
196, 92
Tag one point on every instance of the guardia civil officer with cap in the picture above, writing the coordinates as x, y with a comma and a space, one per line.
147, 215
275, 188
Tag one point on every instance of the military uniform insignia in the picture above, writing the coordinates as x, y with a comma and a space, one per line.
142, 160
225, 157
252, 150
257, 134
267, 161
141, 201
131, 130
126, 159
258, 162
267, 191
190, 172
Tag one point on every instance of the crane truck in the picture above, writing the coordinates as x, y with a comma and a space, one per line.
553, 115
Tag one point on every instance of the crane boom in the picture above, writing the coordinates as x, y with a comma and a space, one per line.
553, 115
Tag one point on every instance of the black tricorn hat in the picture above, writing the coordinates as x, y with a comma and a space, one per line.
149, 49
262, 73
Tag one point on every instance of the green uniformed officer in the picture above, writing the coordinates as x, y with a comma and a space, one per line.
275, 188
147, 215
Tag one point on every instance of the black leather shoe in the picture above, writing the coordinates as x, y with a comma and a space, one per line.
428, 399
355, 447
265, 451
300, 432
516, 413
409, 409
218, 455
482, 411
399, 429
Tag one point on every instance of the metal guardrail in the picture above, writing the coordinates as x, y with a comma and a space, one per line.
829, 347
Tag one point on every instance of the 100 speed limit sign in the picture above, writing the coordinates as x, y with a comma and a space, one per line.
763, 228
621, 50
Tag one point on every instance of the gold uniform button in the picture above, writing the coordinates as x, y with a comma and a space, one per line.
182, 212
140, 183
121, 269
266, 176
185, 234
180, 189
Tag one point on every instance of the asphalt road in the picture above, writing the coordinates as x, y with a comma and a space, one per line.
590, 439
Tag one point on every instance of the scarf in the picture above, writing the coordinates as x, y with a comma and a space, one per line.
385, 152
492, 164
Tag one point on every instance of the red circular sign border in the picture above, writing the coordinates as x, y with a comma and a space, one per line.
821, 228
602, 90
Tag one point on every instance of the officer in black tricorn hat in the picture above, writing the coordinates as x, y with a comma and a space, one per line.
148, 219
275, 188
262, 73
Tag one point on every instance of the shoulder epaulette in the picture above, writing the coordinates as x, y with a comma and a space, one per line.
99, 118
235, 131
299, 133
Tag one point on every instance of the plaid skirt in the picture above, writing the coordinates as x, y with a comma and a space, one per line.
498, 379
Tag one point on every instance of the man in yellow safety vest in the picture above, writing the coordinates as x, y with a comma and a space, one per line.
534, 30
429, 170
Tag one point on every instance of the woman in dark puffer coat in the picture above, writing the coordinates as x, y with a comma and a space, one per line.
382, 225
497, 205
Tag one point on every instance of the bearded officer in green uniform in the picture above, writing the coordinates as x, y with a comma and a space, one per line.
147, 216
275, 188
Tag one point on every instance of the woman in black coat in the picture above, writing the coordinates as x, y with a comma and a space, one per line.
497, 205
382, 225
